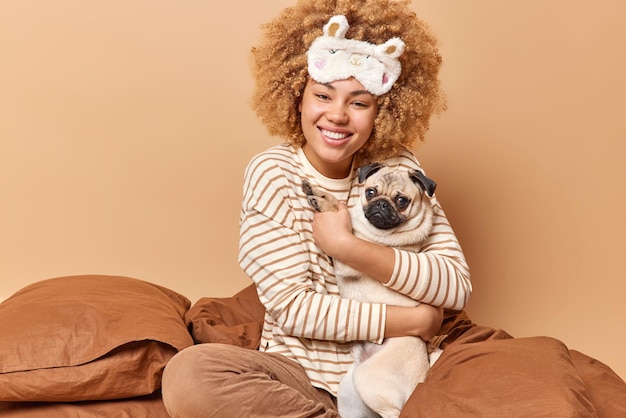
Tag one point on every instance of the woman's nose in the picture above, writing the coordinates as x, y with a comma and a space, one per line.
337, 114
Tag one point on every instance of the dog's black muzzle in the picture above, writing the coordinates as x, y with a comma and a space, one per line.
382, 214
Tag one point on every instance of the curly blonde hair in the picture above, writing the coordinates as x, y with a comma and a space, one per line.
279, 66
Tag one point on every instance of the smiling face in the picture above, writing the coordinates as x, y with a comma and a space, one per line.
337, 119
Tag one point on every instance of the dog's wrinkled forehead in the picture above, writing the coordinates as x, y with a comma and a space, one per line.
389, 180
375, 173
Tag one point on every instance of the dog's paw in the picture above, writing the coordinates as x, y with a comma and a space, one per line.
313, 202
320, 201
307, 188
310, 195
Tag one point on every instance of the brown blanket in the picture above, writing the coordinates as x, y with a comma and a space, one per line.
483, 372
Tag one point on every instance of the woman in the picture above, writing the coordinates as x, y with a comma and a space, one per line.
334, 116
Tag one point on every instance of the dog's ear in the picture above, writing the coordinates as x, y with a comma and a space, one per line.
427, 184
368, 170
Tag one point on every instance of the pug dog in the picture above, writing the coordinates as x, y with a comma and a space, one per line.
396, 211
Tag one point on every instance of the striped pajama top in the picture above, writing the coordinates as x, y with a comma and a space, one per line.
306, 319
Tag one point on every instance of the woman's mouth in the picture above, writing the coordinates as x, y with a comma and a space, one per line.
335, 136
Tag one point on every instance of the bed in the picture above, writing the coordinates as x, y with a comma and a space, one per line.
95, 346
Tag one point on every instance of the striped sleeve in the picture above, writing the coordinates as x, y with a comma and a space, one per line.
438, 274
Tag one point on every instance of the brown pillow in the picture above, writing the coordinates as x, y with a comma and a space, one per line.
144, 406
235, 320
88, 338
606, 389
487, 373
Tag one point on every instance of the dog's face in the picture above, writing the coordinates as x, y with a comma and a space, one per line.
396, 199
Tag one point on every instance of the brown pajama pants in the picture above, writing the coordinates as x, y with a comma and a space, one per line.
218, 380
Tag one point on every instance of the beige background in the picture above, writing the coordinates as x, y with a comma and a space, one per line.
125, 129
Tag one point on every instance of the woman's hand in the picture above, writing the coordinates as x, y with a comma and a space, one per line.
332, 231
422, 321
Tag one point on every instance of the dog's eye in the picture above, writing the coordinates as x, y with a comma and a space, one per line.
370, 193
402, 202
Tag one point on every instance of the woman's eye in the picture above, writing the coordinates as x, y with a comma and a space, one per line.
322, 96
402, 202
362, 104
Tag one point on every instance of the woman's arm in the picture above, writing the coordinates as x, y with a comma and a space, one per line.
438, 275
378, 262
421, 321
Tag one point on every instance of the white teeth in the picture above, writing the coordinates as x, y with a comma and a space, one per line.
334, 135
